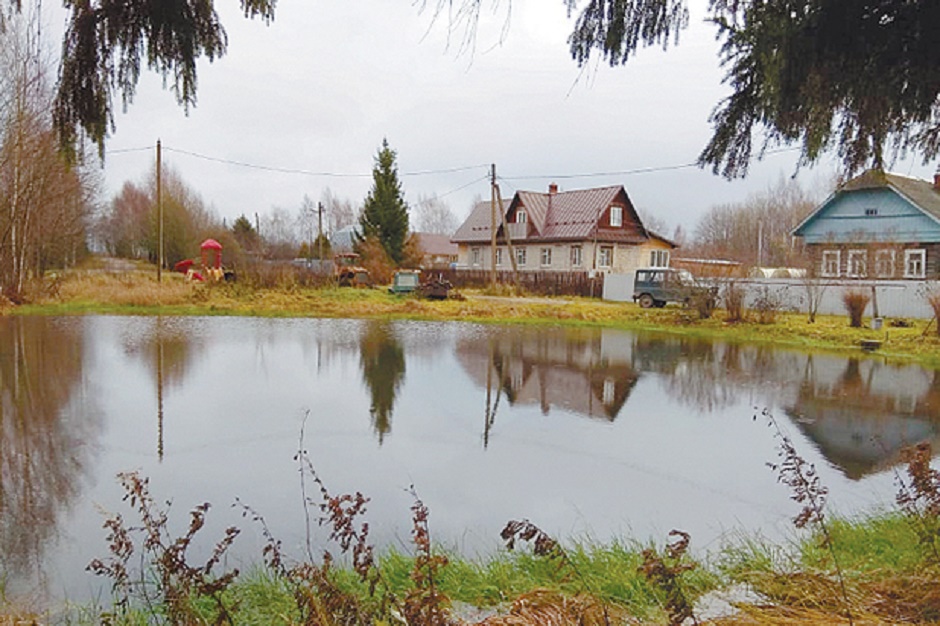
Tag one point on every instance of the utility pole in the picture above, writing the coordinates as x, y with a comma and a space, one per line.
159, 218
320, 232
493, 226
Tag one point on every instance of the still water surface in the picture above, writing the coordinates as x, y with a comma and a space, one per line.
592, 434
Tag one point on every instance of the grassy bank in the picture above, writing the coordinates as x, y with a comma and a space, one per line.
136, 292
879, 571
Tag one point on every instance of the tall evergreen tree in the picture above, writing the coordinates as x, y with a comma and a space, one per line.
385, 213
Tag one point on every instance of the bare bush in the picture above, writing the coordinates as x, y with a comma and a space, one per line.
733, 297
856, 301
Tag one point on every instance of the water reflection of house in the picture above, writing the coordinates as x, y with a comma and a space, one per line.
862, 413
565, 370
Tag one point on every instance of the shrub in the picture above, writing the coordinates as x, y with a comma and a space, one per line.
767, 304
733, 297
932, 295
855, 301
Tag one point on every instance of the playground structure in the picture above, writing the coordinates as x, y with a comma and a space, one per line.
210, 269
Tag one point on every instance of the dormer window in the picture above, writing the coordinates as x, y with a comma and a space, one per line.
616, 216
521, 217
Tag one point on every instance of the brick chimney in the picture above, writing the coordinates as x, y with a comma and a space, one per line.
553, 188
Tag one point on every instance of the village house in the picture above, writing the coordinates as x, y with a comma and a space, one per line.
569, 231
437, 251
877, 225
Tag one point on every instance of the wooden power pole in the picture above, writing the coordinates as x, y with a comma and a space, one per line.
159, 218
493, 226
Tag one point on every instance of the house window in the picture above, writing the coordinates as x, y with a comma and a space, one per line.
857, 266
915, 263
659, 258
605, 257
520, 257
884, 263
870, 212
575, 256
475, 256
546, 257
616, 216
609, 392
521, 217
830, 263
499, 256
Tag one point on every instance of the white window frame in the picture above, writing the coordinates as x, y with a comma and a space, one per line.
521, 256
521, 217
546, 257
475, 256
609, 391
857, 264
828, 255
605, 256
659, 258
616, 216
499, 257
884, 263
915, 263
576, 256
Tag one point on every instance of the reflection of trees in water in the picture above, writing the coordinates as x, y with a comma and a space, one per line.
165, 346
43, 445
711, 376
383, 370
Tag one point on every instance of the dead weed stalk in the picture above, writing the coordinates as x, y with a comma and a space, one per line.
806, 489
425, 604
664, 572
919, 498
544, 545
166, 578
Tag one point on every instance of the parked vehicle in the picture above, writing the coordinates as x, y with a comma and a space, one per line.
656, 286
348, 272
405, 281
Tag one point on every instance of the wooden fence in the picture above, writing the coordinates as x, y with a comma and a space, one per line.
535, 283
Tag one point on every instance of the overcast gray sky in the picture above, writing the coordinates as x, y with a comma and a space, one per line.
314, 94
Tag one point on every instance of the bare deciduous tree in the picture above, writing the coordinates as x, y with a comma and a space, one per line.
756, 231
433, 215
44, 203
338, 212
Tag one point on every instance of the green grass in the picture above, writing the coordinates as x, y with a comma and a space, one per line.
876, 552
138, 293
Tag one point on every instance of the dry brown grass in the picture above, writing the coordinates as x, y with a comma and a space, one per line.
549, 608
808, 598
135, 288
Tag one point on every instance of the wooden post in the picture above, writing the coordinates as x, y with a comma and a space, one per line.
159, 218
493, 226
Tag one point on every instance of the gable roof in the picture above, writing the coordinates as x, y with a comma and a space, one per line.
561, 216
436, 244
922, 194
476, 228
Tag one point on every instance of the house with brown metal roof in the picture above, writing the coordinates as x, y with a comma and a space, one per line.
581, 230
877, 225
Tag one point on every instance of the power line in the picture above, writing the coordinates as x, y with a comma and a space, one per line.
639, 170
302, 172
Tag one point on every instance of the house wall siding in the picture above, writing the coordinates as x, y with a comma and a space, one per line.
931, 267
844, 220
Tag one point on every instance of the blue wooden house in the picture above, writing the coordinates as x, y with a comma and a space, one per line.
877, 225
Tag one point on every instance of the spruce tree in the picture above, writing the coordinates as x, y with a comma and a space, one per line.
385, 213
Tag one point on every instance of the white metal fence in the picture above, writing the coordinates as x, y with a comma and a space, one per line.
895, 298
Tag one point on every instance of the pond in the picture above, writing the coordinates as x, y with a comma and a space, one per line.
591, 434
